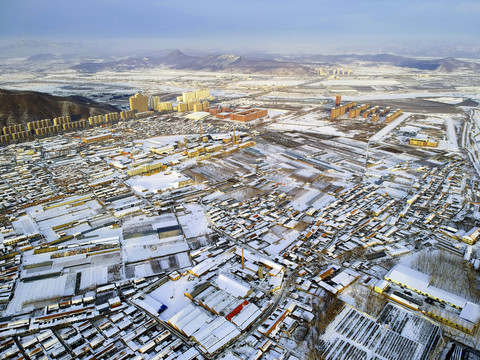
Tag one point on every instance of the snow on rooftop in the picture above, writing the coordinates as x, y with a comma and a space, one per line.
150, 246
252, 257
194, 223
160, 181
305, 198
232, 286
308, 123
42, 289
471, 312
199, 115
172, 295
93, 277
346, 277
25, 225
420, 282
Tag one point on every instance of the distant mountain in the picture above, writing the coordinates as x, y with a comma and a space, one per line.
282, 65
42, 57
450, 64
20, 107
29, 47
441, 65
178, 60
31, 43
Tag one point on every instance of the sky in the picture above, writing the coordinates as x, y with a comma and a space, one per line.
279, 25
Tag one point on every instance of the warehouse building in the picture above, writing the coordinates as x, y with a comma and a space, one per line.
97, 138
249, 115
419, 282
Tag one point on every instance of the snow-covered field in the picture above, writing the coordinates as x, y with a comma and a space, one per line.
358, 82
447, 100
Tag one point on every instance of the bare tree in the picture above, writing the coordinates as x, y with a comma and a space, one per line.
325, 312
447, 271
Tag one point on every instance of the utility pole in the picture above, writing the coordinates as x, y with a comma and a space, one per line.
243, 260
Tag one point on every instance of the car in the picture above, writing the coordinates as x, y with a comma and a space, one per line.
162, 308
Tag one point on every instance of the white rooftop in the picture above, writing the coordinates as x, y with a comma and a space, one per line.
232, 286
199, 115
420, 282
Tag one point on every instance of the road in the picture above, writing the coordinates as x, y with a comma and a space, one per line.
379, 136
452, 136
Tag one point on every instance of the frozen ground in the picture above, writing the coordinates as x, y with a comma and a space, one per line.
447, 100
309, 123
358, 82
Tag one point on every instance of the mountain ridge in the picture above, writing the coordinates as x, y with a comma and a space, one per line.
291, 65
178, 60
20, 107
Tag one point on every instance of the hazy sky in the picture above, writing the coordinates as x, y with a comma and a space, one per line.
258, 25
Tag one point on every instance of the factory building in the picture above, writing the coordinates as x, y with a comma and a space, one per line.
97, 138
469, 313
471, 236
146, 168
249, 115
213, 148
139, 103
423, 142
